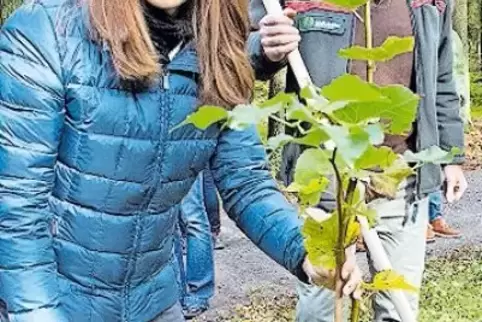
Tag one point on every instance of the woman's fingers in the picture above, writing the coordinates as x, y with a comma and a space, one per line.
350, 262
353, 283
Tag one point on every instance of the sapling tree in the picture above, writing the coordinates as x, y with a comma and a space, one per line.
347, 120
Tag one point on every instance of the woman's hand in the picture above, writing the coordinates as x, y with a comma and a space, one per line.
279, 37
350, 274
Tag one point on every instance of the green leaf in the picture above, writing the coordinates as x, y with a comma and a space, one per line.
348, 4
374, 157
315, 137
434, 155
387, 183
280, 101
351, 142
351, 88
204, 117
313, 163
300, 112
321, 241
279, 140
398, 110
353, 230
243, 116
389, 280
359, 206
309, 194
392, 47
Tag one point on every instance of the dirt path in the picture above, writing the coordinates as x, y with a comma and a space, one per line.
242, 269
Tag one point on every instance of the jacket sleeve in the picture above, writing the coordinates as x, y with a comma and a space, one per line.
251, 198
264, 68
450, 124
31, 118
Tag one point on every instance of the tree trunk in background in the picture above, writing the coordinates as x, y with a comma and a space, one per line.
460, 19
475, 33
276, 85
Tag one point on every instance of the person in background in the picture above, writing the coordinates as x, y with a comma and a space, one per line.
438, 226
194, 248
320, 30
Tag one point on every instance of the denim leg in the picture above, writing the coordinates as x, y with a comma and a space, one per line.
199, 248
178, 251
211, 201
435, 205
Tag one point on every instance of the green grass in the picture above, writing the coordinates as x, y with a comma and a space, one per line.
476, 113
453, 290
451, 293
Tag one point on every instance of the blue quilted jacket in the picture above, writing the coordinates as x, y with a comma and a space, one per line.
91, 176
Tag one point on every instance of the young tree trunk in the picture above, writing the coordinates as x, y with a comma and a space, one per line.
475, 33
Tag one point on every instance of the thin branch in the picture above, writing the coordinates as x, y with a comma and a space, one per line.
288, 124
340, 252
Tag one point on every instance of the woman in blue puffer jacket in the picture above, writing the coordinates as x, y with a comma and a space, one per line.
91, 173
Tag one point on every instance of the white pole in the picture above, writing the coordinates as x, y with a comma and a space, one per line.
302, 76
381, 263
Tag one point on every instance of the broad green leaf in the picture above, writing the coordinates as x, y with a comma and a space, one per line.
348, 4
351, 142
399, 110
315, 137
392, 47
389, 280
321, 241
313, 163
387, 183
243, 116
282, 99
205, 116
279, 140
434, 155
300, 112
327, 108
309, 194
374, 157
352, 88
359, 205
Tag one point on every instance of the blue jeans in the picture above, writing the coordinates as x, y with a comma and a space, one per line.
434, 206
196, 270
211, 202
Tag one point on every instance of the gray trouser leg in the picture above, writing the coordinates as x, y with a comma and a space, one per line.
315, 304
401, 228
403, 238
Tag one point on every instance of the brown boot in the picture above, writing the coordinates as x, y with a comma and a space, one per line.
430, 235
442, 229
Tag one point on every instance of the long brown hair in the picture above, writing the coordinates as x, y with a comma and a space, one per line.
220, 27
